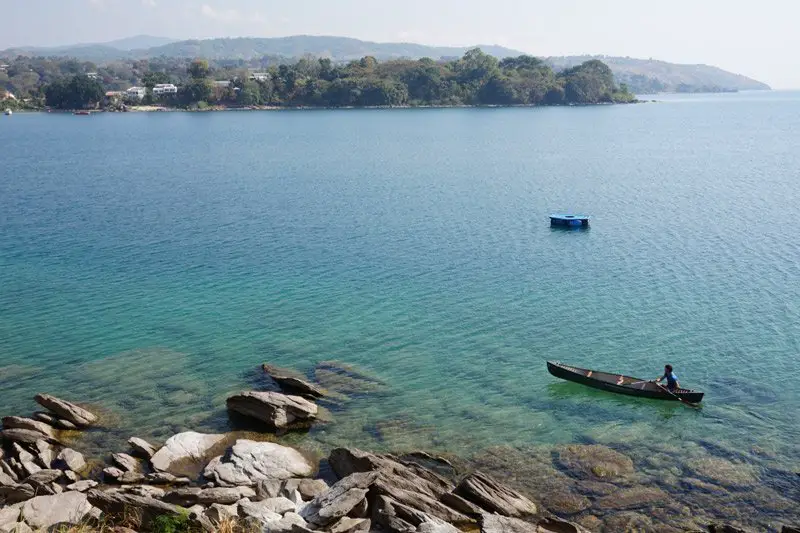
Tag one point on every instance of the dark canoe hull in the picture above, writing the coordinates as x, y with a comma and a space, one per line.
631, 386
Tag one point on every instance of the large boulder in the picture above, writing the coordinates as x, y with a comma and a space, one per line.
292, 384
339, 500
218, 513
69, 459
141, 447
43, 512
18, 422
184, 447
66, 410
277, 410
43, 478
249, 462
488, 494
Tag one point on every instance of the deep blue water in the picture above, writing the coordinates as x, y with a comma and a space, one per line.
149, 262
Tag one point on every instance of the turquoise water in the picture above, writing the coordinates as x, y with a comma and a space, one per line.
150, 262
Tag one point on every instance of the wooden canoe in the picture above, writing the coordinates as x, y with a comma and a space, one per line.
620, 384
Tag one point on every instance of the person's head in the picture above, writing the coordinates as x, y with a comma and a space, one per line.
667, 368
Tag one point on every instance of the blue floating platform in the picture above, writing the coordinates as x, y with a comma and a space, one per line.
569, 220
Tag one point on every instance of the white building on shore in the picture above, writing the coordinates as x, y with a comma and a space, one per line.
164, 88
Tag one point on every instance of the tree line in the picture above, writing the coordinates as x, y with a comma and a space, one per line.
474, 79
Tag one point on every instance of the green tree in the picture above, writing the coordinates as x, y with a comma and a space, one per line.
199, 69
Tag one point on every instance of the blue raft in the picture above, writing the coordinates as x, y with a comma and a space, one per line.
574, 221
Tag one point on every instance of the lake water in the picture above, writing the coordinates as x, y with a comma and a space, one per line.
150, 262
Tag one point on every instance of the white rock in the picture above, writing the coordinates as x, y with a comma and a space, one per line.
184, 446
250, 462
8, 517
82, 486
42, 512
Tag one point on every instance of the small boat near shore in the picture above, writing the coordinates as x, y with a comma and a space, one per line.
621, 384
82, 113
8, 112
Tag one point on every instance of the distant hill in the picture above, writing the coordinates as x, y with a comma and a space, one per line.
647, 76
138, 42
641, 75
338, 48
97, 52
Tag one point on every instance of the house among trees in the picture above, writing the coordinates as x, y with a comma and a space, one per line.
136, 93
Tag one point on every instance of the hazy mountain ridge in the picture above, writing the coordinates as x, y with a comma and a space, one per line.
641, 75
652, 76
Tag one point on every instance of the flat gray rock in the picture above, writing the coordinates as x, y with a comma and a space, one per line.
7, 470
43, 477
69, 459
495, 523
142, 447
26, 436
55, 421
224, 495
258, 511
43, 512
185, 497
82, 486
188, 446
125, 462
250, 462
18, 422
351, 525
494, 497
112, 473
67, 410
277, 410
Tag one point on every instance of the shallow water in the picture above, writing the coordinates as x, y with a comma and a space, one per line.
150, 262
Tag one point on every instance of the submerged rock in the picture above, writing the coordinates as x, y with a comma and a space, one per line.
633, 498
594, 461
277, 410
43, 512
66, 410
345, 380
292, 383
724, 472
250, 462
184, 447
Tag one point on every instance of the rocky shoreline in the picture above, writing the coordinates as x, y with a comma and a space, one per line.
249, 482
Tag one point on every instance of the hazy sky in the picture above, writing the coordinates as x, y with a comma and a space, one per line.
758, 39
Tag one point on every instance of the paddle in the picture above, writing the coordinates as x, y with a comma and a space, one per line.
690, 404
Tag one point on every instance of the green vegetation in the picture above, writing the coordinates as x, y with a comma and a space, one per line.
476, 78
77, 92
171, 523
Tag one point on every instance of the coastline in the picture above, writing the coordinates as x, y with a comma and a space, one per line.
580, 486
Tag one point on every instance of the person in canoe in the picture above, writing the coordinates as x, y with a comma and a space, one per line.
670, 377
